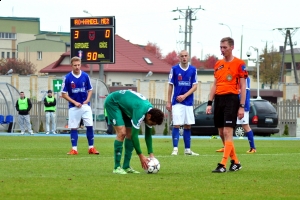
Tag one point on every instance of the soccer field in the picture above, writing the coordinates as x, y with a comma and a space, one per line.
37, 167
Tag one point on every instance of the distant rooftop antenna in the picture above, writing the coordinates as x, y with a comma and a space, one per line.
12, 11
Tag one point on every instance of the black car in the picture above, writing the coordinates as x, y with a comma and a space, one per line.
263, 120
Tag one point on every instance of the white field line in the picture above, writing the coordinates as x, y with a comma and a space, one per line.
157, 156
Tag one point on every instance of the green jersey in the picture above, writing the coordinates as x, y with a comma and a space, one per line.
128, 108
133, 104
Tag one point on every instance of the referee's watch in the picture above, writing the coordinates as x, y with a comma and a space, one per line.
242, 105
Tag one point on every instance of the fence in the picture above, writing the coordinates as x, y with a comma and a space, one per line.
288, 111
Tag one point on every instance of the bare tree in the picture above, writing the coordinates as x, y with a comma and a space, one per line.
18, 66
269, 68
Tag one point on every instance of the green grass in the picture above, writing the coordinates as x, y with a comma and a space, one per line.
37, 167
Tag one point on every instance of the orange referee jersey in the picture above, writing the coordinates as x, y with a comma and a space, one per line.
228, 76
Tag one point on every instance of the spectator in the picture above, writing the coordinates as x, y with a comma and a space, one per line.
50, 107
23, 107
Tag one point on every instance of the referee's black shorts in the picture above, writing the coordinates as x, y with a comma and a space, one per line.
225, 110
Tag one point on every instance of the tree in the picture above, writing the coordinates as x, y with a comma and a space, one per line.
210, 61
172, 58
154, 49
18, 66
269, 68
196, 62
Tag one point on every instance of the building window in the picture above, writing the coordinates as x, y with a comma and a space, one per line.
148, 61
2, 54
13, 55
7, 54
116, 83
39, 55
8, 36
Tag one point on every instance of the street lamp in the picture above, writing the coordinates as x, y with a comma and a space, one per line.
256, 61
87, 12
201, 49
9, 72
228, 27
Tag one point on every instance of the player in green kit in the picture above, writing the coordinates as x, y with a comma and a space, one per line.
126, 110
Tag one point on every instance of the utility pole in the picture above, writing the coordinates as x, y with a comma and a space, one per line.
288, 35
188, 16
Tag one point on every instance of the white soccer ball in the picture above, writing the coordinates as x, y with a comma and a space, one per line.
153, 166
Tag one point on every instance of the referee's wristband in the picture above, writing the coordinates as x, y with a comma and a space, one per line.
209, 103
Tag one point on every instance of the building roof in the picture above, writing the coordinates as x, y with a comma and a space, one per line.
129, 58
34, 19
57, 66
296, 51
54, 33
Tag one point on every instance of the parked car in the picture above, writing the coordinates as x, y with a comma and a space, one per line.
263, 120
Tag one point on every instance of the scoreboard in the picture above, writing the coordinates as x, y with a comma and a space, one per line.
93, 39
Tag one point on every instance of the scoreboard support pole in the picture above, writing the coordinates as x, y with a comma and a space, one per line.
91, 70
101, 72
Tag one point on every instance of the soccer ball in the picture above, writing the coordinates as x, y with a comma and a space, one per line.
153, 166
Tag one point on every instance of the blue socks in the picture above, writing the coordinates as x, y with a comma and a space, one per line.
251, 139
175, 136
74, 137
90, 135
187, 138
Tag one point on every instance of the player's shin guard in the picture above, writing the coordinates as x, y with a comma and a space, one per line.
118, 147
187, 138
90, 135
74, 137
175, 136
128, 153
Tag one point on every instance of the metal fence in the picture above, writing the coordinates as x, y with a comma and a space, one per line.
288, 111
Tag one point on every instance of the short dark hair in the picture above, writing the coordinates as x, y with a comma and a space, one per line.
21, 92
157, 116
229, 40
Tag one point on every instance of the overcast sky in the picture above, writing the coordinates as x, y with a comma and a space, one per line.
143, 21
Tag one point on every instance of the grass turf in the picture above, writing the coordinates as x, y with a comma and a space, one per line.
35, 167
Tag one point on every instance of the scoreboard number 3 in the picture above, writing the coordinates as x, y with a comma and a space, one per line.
76, 34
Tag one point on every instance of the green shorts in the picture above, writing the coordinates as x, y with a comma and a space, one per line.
115, 116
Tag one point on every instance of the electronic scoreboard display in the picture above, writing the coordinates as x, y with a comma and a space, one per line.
93, 39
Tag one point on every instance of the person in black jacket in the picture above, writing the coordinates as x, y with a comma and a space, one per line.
23, 106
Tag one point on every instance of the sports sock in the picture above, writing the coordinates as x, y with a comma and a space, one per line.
128, 152
233, 155
251, 139
90, 135
74, 137
227, 151
118, 147
175, 136
187, 138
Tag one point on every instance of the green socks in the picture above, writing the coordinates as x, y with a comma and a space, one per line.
128, 153
118, 147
